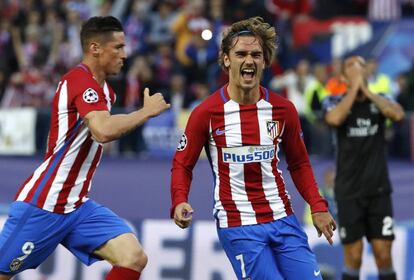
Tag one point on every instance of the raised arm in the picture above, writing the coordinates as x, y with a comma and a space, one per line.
337, 115
354, 75
18, 47
387, 107
105, 127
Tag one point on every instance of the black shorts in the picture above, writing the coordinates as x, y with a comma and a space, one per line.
368, 216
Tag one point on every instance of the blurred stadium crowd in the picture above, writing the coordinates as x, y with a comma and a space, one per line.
173, 49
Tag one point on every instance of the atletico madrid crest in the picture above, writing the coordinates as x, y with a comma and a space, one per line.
272, 129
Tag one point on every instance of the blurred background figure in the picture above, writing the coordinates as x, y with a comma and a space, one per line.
160, 21
326, 188
177, 92
336, 83
362, 185
190, 18
200, 92
319, 142
294, 82
377, 82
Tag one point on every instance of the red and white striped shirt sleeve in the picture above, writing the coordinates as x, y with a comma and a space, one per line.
188, 151
298, 162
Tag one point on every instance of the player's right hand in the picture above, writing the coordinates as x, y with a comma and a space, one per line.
354, 72
183, 215
154, 104
324, 224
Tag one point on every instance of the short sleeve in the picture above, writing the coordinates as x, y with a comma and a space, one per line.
89, 98
329, 102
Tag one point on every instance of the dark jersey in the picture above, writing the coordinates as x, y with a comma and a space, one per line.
361, 151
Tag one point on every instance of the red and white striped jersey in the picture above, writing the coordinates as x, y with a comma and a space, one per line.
62, 182
242, 144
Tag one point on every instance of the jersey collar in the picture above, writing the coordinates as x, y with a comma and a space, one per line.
264, 93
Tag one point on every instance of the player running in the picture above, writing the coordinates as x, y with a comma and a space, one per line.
52, 207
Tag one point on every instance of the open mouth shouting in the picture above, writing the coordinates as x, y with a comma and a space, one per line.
248, 74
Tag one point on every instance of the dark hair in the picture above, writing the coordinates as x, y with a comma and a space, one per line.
99, 27
254, 26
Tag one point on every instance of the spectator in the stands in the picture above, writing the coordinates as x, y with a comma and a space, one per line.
319, 140
190, 17
160, 21
71, 51
200, 92
315, 93
295, 82
140, 75
164, 64
377, 82
336, 85
400, 142
405, 90
285, 12
202, 50
136, 28
177, 92
243, 9
7, 64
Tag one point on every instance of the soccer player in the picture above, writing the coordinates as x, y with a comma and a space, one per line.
362, 185
243, 125
52, 206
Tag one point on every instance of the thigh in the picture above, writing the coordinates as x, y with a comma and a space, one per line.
295, 259
116, 248
249, 253
380, 218
96, 226
351, 219
28, 237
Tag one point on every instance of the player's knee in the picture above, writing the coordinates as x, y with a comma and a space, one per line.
141, 259
383, 259
135, 259
354, 259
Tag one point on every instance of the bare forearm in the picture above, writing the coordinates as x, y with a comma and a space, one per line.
337, 115
113, 127
106, 127
388, 108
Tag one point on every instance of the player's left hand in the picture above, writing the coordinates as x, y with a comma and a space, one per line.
324, 224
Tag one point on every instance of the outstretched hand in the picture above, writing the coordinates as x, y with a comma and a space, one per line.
183, 215
324, 224
155, 104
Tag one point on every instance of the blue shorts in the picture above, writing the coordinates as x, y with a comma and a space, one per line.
31, 234
270, 251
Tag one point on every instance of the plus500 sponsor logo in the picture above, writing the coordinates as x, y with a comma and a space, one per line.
248, 154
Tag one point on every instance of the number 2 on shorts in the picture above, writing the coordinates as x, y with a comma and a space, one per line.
240, 258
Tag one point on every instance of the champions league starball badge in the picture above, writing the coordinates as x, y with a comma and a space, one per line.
182, 144
90, 96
